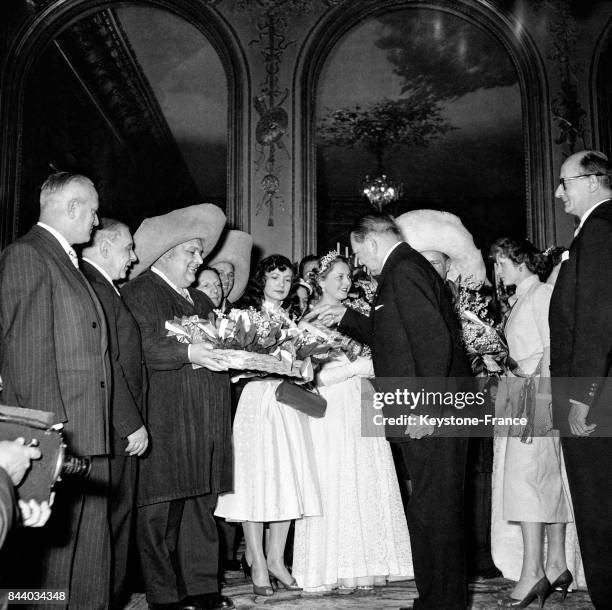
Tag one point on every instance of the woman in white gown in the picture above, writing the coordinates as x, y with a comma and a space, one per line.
530, 493
361, 539
275, 477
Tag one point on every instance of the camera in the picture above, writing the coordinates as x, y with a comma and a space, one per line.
38, 429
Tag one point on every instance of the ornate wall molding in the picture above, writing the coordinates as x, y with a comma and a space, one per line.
534, 98
51, 19
272, 19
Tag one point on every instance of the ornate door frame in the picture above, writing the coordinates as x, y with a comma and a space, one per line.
54, 16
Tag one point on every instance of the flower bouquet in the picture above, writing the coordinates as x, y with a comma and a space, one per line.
255, 340
485, 345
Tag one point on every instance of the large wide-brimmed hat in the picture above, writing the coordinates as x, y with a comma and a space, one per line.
444, 232
235, 249
155, 236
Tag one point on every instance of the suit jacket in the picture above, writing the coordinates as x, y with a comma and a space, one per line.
125, 356
412, 328
53, 341
580, 318
188, 410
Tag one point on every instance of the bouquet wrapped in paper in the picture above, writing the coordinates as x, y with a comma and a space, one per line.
485, 344
255, 340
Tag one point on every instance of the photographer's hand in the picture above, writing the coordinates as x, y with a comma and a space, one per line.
15, 458
34, 514
138, 442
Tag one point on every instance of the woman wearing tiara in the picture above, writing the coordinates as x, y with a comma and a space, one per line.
361, 539
275, 477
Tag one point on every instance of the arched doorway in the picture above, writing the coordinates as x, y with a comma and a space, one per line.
101, 53
601, 87
533, 144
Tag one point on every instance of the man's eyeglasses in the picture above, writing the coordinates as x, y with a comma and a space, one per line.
562, 181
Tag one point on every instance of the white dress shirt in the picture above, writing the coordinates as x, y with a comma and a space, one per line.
104, 274
68, 249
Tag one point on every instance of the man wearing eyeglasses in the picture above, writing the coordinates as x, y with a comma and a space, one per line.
581, 361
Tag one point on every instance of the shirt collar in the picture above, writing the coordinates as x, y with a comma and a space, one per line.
103, 272
388, 254
62, 240
587, 214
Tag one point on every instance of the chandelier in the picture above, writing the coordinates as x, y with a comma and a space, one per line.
380, 190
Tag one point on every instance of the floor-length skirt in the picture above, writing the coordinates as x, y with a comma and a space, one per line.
362, 532
275, 475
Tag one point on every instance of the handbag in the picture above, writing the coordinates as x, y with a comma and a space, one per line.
309, 402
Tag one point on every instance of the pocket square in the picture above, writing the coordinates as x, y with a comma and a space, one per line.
377, 307
565, 256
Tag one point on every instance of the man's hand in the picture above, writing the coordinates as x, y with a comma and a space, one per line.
200, 354
577, 419
138, 442
326, 314
419, 430
15, 458
34, 514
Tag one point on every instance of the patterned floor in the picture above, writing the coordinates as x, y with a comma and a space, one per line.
483, 596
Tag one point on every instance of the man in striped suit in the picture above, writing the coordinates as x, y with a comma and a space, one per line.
106, 261
53, 357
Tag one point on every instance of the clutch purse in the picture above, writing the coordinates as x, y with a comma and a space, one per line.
298, 397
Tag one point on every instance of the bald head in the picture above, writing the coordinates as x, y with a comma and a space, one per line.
69, 204
112, 248
438, 260
585, 180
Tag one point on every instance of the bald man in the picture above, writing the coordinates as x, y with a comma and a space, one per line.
106, 261
53, 357
580, 319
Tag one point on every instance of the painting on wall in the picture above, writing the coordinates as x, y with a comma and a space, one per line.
433, 102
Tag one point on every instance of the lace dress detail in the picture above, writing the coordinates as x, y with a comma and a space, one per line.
362, 533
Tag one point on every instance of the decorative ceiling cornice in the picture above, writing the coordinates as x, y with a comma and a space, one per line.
101, 56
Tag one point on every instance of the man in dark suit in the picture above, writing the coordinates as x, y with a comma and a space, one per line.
54, 358
188, 415
105, 262
581, 362
413, 332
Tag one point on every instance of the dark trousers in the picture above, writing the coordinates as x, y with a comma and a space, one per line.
478, 507
72, 551
436, 467
588, 462
123, 479
178, 547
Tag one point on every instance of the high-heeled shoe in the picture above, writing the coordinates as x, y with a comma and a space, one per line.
540, 591
562, 583
264, 590
277, 582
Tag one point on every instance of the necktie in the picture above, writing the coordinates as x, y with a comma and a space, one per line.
73, 258
186, 294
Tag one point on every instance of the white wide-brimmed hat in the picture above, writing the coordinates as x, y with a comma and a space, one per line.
155, 236
444, 232
235, 249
